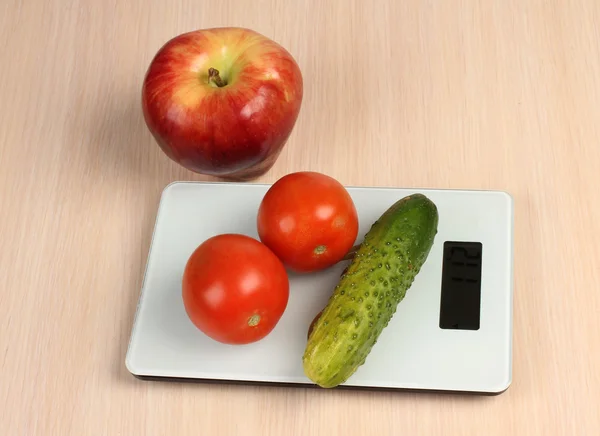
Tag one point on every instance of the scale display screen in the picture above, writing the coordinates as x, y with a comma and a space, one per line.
460, 305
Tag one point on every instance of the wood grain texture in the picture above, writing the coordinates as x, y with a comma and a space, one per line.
499, 94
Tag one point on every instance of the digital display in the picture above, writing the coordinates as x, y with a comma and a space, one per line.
460, 303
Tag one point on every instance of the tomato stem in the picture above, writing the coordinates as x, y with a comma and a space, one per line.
254, 320
320, 249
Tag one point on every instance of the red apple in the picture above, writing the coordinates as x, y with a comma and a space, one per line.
222, 101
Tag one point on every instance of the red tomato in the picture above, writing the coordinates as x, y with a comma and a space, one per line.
235, 289
308, 220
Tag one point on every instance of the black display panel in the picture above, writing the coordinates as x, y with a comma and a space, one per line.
460, 304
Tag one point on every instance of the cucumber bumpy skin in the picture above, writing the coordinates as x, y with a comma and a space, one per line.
368, 293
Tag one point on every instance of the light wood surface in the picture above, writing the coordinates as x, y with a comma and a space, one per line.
498, 94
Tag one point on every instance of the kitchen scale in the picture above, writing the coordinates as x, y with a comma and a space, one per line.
452, 332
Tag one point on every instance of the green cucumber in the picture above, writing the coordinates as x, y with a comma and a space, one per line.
368, 293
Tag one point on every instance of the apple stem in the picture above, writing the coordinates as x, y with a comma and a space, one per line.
213, 74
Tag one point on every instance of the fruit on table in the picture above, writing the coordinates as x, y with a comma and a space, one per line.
308, 220
222, 101
234, 289
367, 295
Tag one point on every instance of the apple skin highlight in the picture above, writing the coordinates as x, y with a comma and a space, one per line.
232, 123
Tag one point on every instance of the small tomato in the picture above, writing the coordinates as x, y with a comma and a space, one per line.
308, 220
235, 289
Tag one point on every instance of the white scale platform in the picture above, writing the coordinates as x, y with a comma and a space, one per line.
413, 352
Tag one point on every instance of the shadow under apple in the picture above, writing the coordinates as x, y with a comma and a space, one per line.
121, 146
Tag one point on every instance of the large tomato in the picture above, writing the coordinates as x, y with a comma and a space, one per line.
235, 289
308, 220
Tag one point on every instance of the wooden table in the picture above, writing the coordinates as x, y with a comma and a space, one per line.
489, 94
